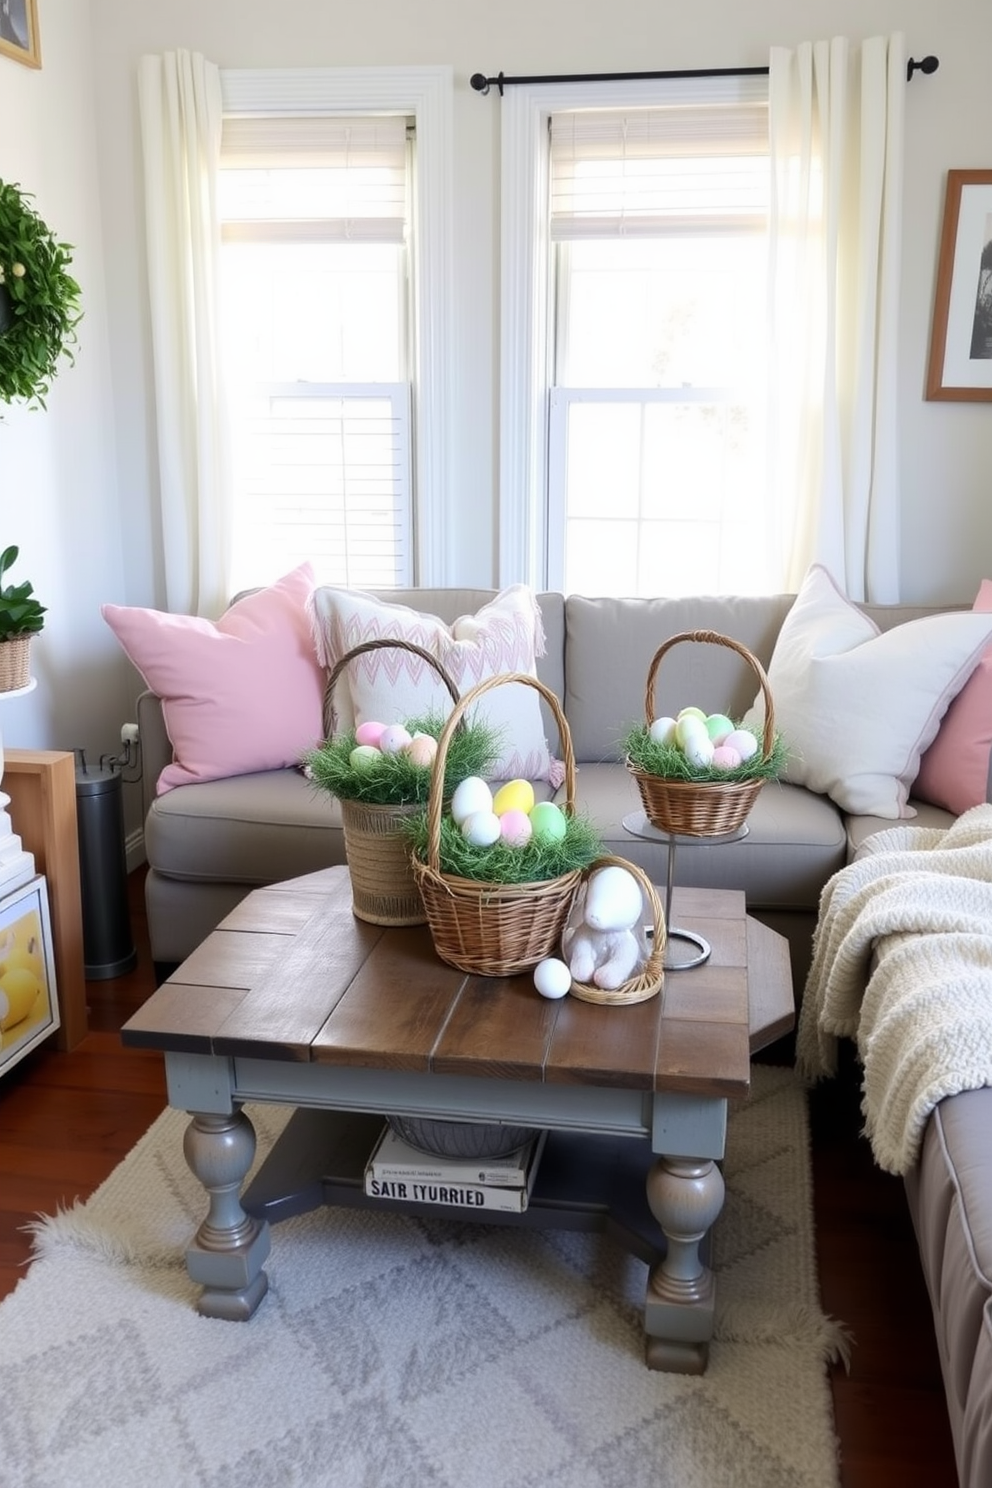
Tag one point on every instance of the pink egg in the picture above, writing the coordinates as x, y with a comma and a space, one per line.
515, 828
369, 733
725, 758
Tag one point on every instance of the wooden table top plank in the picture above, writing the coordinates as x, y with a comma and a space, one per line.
719, 997
598, 1045
283, 909
394, 1010
183, 1017
717, 1064
772, 1003
299, 983
501, 1027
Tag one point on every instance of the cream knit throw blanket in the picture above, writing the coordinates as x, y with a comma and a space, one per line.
922, 1017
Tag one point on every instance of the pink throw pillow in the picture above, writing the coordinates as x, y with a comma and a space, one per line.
954, 772
241, 694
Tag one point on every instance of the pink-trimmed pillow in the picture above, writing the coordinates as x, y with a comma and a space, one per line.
956, 771
241, 694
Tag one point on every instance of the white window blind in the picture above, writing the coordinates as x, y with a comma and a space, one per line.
699, 167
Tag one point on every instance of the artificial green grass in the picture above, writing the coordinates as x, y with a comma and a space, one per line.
668, 761
538, 862
393, 779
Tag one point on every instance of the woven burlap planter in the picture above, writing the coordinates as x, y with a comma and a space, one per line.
15, 663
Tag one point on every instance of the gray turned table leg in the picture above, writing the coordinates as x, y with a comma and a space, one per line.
685, 1196
228, 1250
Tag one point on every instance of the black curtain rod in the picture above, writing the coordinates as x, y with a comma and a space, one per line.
482, 84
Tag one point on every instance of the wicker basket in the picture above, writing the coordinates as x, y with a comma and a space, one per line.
493, 929
650, 979
701, 808
383, 889
15, 663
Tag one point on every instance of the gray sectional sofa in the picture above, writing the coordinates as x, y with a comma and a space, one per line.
209, 844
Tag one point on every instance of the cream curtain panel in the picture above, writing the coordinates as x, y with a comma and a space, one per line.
181, 118
836, 126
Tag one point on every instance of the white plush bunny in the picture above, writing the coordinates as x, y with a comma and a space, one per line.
605, 942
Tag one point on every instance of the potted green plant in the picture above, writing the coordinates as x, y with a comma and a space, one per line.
39, 300
21, 617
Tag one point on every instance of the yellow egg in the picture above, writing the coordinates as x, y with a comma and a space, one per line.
20, 988
515, 795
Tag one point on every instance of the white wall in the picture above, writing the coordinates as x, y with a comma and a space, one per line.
84, 500
58, 497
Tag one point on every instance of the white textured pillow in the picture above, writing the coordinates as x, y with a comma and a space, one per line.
393, 685
857, 706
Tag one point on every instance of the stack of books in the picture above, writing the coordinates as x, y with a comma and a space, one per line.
396, 1170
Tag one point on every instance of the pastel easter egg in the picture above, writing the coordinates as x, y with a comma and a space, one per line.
481, 829
689, 726
552, 977
725, 758
515, 795
743, 741
394, 738
363, 755
691, 713
471, 795
699, 751
662, 731
515, 828
421, 750
718, 726
369, 733
548, 822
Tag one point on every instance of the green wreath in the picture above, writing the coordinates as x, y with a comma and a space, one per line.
39, 300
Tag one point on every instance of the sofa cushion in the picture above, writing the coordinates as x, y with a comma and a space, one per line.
956, 771
795, 841
241, 694
505, 635
610, 644
857, 707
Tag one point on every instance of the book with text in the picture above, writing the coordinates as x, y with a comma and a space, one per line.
456, 1192
394, 1158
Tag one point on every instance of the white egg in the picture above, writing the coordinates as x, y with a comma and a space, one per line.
552, 977
394, 739
743, 741
698, 750
662, 731
481, 829
471, 794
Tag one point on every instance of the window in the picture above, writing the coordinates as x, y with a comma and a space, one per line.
335, 224
639, 442
317, 328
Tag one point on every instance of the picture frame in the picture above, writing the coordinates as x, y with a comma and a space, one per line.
29, 1007
960, 367
19, 36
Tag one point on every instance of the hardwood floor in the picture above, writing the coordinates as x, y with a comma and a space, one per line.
66, 1120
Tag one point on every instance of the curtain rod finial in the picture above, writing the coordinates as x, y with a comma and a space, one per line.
479, 82
928, 65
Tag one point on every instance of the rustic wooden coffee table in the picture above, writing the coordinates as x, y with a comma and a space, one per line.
293, 1000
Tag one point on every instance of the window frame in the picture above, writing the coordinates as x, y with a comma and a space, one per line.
526, 326
426, 93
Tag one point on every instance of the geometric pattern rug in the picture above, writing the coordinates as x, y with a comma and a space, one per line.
397, 1352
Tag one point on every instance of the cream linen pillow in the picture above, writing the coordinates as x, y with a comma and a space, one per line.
393, 685
857, 706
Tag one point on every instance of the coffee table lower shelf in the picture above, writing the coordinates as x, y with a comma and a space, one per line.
584, 1182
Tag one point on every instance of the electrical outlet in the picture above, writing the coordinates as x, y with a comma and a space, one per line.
129, 733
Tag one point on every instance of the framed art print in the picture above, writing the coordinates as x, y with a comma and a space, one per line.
29, 1008
19, 31
961, 344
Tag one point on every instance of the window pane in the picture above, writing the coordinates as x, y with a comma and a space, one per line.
315, 312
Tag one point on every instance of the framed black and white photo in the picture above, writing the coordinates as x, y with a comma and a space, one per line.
19, 31
961, 343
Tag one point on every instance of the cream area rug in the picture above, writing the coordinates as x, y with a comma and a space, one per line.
397, 1352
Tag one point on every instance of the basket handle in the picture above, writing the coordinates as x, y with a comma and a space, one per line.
378, 645
655, 964
435, 798
714, 638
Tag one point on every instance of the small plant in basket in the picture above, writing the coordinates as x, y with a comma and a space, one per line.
701, 747
353, 769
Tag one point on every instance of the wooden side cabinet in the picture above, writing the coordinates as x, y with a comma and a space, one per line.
41, 784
